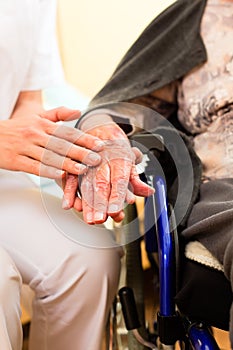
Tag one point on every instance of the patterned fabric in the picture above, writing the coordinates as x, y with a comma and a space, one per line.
205, 95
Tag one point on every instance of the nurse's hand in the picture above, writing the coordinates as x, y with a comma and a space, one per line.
106, 187
37, 144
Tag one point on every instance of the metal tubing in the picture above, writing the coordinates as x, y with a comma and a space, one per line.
166, 251
201, 338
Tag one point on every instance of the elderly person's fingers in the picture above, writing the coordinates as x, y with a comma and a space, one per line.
119, 216
130, 197
78, 204
102, 189
95, 189
120, 173
87, 194
70, 188
137, 186
138, 155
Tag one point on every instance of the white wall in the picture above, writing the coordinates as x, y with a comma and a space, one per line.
94, 35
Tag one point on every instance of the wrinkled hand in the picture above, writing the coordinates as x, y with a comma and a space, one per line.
41, 146
106, 187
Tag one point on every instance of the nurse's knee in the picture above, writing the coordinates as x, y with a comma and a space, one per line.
104, 261
10, 281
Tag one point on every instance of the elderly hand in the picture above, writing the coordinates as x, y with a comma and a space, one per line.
39, 145
106, 187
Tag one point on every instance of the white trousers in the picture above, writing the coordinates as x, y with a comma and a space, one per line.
10, 285
74, 283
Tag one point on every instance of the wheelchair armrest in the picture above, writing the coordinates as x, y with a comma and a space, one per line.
148, 142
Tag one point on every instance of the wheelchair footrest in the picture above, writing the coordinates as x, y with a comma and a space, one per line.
170, 328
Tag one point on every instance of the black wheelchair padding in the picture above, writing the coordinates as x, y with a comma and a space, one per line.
204, 294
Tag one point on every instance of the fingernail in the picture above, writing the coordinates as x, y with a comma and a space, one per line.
113, 208
89, 217
131, 198
80, 168
99, 216
59, 173
65, 203
93, 157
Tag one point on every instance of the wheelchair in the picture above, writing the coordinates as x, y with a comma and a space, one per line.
193, 297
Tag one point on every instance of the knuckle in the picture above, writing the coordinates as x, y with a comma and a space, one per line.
68, 133
48, 126
47, 156
70, 187
71, 182
86, 187
119, 191
100, 206
36, 168
120, 177
72, 134
102, 186
122, 186
29, 132
62, 147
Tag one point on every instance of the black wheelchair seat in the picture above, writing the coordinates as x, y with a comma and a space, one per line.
204, 294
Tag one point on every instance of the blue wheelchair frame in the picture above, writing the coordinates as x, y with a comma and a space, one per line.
171, 325
198, 334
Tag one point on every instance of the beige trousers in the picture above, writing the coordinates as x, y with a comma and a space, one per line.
72, 268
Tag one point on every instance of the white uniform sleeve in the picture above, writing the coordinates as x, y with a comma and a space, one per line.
45, 67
